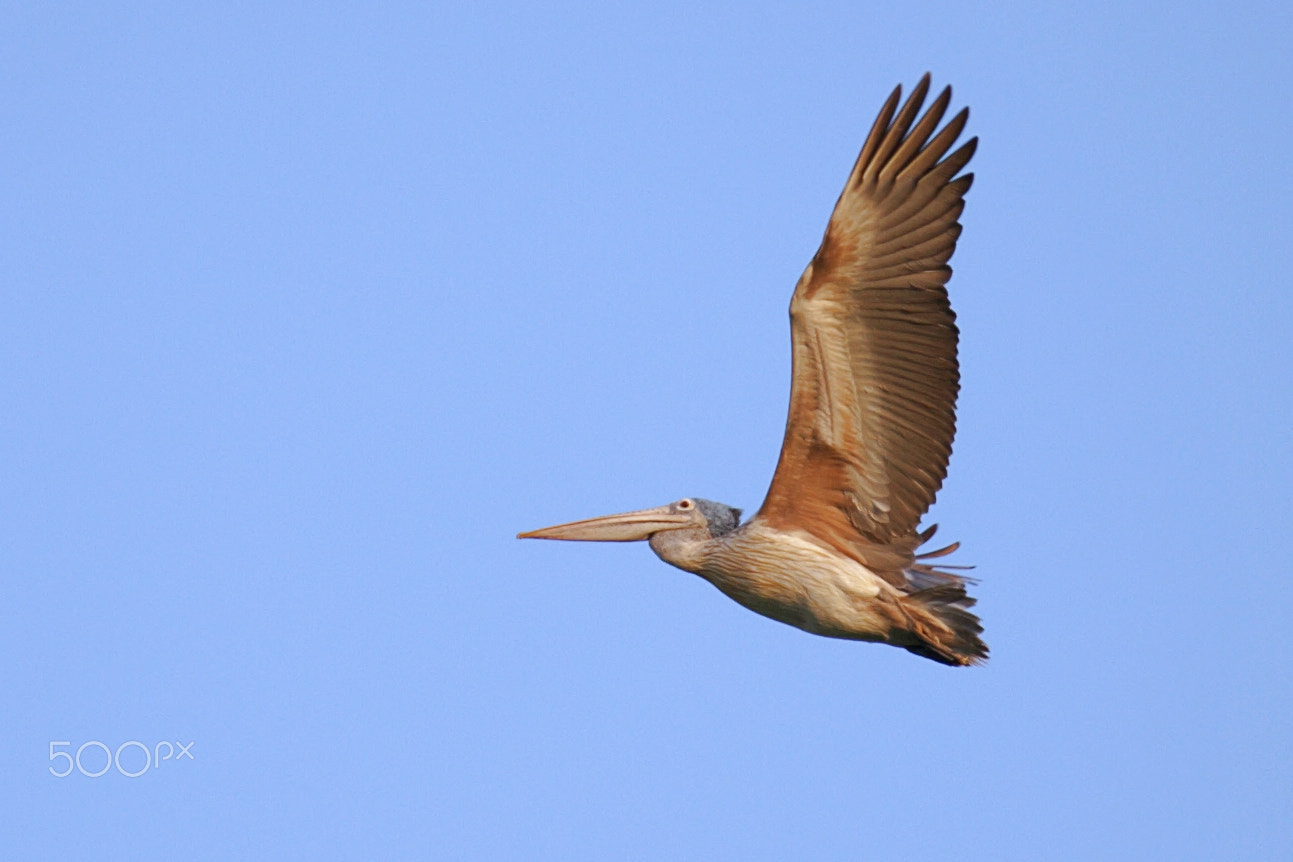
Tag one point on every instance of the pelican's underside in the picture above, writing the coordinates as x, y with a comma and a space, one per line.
793, 578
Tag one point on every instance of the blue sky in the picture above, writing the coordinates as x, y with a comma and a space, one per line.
306, 312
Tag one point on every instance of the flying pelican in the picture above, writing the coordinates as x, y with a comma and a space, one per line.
872, 416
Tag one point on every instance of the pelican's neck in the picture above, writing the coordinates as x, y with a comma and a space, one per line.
686, 549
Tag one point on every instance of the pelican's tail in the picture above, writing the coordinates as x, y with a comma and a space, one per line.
948, 632
939, 609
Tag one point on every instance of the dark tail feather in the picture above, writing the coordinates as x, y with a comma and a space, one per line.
939, 609
949, 633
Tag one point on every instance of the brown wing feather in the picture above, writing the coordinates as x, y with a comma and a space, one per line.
872, 406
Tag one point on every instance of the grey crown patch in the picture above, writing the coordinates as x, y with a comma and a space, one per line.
722, 518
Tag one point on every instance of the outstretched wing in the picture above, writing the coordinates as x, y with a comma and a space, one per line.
872, 405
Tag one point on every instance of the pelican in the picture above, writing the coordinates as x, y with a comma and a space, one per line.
833, 550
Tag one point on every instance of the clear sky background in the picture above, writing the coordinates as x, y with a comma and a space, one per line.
305, 312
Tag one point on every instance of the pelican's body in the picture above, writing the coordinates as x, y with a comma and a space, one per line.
790, 577
872, 415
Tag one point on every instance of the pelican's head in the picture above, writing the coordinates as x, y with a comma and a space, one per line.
680, 533
692, 516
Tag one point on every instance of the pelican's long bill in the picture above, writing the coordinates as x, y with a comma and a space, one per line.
628, 527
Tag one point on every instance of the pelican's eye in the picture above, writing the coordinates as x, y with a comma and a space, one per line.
685, 505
